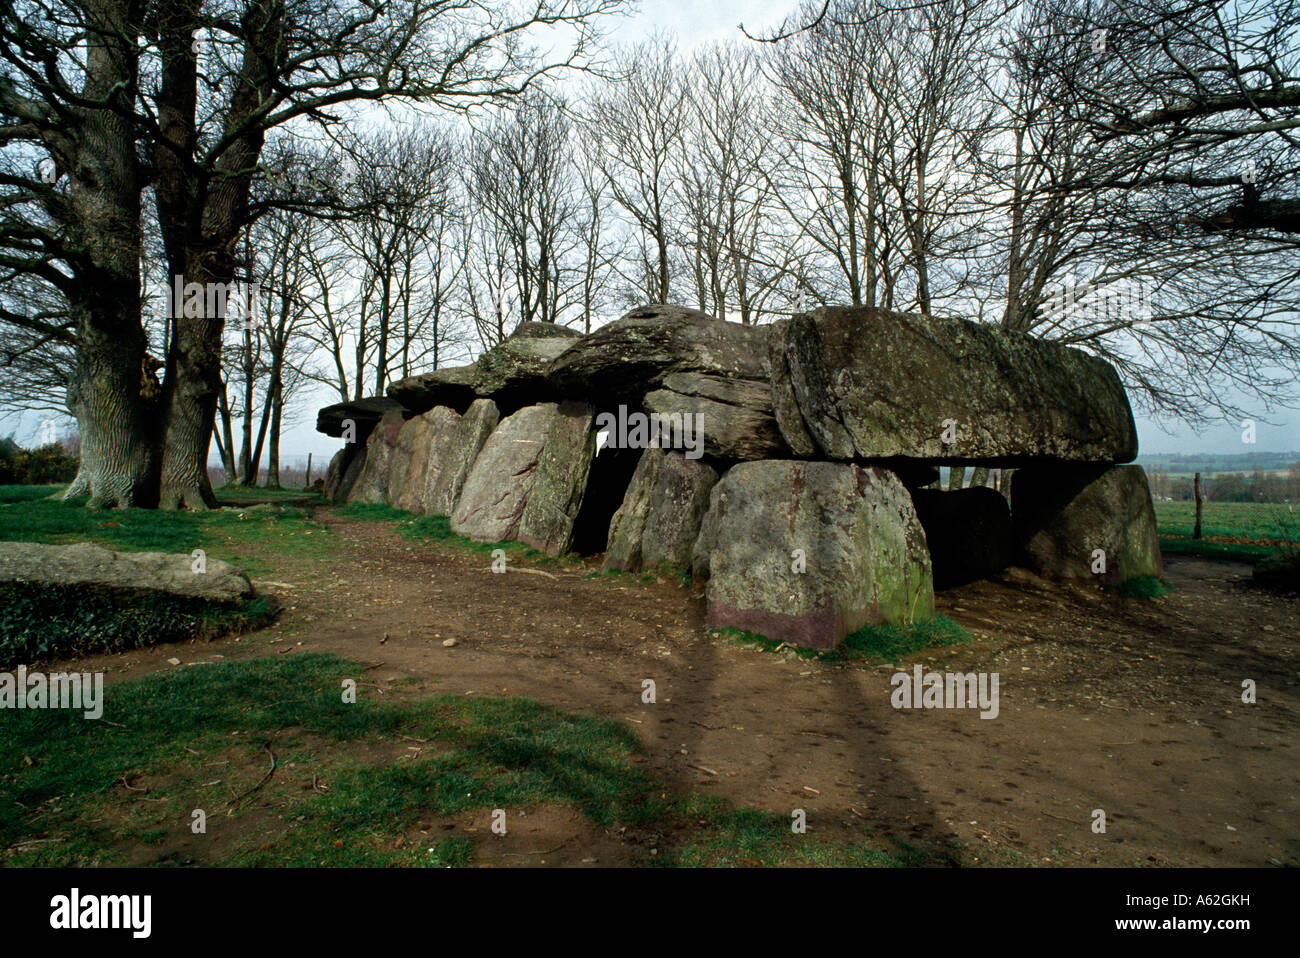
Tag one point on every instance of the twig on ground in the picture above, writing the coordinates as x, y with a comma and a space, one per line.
265, 778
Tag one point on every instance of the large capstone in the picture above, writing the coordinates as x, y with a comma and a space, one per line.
1086, 522
84, 564
452, 386
622, 361
512, 373
529, 478
968, 531
660, 517
451, 460
864, 383
810, 552
727, 418
353, 421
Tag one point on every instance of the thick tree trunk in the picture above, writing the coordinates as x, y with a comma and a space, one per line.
116, 423
190, 406
117, 430
200, 223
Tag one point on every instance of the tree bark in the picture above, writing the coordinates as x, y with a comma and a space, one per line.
117, 428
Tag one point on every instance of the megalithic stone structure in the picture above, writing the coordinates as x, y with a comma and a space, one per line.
751, 453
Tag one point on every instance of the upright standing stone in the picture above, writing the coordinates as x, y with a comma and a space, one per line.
456, 457
660, 517
502, 477
338, 471
1086, 522
810, 552
426, 435
560, 482
372, 485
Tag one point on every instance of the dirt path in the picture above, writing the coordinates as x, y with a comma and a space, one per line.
1129, 706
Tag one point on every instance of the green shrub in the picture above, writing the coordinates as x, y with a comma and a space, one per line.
40, 621
44, 465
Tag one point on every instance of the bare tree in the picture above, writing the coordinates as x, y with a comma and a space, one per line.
218, 76
1127, 153
829, 177
521, 183
638, 125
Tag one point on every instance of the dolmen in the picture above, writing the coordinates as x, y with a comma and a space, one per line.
792, 466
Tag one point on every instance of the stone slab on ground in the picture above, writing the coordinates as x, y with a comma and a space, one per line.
86, 564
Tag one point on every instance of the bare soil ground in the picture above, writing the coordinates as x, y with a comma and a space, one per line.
1132, 706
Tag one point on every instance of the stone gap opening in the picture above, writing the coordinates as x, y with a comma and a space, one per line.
611, 474
968, 531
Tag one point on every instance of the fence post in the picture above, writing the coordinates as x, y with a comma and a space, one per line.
1196, 489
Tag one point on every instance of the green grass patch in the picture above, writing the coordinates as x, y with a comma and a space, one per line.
1207, 549
438, 529
1144, 587
40, 622
252, 539
877, 643
63, 801
1237, 531
28, 493
1246, 521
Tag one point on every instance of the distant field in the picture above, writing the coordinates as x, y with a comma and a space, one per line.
1244, 520
1230, 530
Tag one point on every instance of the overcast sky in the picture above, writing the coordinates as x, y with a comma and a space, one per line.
700, 21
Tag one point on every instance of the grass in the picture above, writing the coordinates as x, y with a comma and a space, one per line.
1245, 521
40, 622
872, 643
235, 494
1237, 531
1144, 587
438, 529
200, 737
27, 493
254, 539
